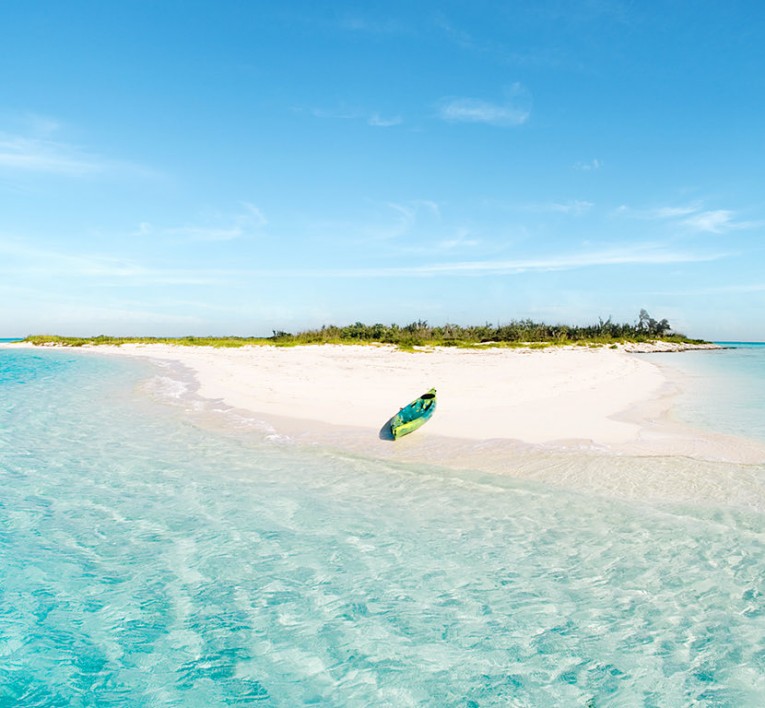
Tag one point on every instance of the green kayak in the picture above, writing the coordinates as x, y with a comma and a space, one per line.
411, 417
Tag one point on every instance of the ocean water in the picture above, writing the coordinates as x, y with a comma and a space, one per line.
726, 388
157, 551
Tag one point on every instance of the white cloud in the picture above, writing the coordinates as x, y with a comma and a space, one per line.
673, 212
40, 264
31, 264
245, 223
38, 155
514, 110
431, 206
42, 126
462, 240
36, 150
639, 255
344, 112
589, 166
396, 220
470, 110
457, 35
563, 262
372, 25
404, 220
29, 260
657, 213
573, 206
378, 121
716, 221
692, 216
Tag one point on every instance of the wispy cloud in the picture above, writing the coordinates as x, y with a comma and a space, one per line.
245, 223
26, 154
373, 25
693, 217
387, 222
340, 112
36, 149
457, 35
375, 119
21, 258
24, 261
715, 221
514, 110
552, 263
719, 289
378, 121
36, 263
590, 166
639, 255
575, 207
672, 212
501, 52
464, 239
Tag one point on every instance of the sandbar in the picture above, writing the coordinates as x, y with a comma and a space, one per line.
599, 398
605, 397
534, 396
596, 418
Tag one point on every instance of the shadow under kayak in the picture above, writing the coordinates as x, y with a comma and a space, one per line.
411, 417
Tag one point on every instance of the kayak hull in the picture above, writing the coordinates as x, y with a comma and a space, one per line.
413, 416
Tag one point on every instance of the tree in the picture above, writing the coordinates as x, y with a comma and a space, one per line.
648, 325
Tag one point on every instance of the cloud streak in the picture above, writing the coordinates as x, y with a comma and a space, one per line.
246, 223
36, 155
575, 207
35, 151
637, 256
590, 166
374, 119
693, 217
114, 271
514, 110
378, 121
716, 221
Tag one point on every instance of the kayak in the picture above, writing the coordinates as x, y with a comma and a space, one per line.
411, 417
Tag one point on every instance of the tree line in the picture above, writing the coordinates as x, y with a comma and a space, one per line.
516, 331
420, 333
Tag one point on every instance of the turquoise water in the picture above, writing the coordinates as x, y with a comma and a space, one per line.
147, 560
727, 388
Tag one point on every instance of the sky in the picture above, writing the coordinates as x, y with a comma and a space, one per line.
205, 167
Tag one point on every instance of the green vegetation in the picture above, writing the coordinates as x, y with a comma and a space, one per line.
53, 339
517, 333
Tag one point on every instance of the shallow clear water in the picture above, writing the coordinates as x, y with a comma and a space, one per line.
726, 390
145, 560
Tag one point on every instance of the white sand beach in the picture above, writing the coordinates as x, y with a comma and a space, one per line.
571, 416
563, 397
580, 397
534, 396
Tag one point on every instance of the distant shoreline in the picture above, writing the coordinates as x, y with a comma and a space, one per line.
512, 334
646, 345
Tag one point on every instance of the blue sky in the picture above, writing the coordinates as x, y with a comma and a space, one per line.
231, 167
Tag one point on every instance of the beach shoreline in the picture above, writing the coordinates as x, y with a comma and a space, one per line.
597, 399
592, 420
546, 396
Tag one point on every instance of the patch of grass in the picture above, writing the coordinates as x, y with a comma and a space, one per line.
229, 342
